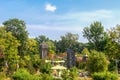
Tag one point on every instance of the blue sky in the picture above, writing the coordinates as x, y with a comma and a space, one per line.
54, 18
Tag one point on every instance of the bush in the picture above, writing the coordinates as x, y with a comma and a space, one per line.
35, 77
81, 65
111, 66
47, 77
104, 76
65, 75
23, 74
2, 75
97, 62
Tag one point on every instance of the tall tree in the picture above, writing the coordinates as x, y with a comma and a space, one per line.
18, 29
115, 34
113, 43
9, 45
32, 46
67, 41
95, 35
42, 38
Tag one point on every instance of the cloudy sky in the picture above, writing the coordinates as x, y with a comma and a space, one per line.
54, 18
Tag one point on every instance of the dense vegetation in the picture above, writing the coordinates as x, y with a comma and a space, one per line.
20, 59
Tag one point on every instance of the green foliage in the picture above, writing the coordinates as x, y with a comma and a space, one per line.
36, 61
73, 73
45, 67
17, 28
42, 38
67, 41
97, 62
32, 46
112, 65
85, 51
81, 65
2, 75
95, 35
113, 43
46, 76
51, 47
112, 49
23, 74
65, 75
104, 76
9, 45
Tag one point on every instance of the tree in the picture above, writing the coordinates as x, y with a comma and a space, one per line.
32, 47
40, 39
9, 45
115, 34
67, 41
97, 62
113, 43
95, 35
18, 29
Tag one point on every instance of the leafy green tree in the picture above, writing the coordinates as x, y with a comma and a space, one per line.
18, 29
67, 41
97, 62
113, 43
115, 34
42, 38
112, 48
32, 47
9, 44
95, 35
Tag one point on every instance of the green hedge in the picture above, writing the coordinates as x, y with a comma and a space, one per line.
104, 76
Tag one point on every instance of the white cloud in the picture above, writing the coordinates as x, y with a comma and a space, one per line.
49, 7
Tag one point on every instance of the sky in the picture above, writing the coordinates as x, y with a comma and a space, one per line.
54, 18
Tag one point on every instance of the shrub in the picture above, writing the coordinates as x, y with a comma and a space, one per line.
81, 65
97, 62
111, 66
2, 75
104, 76
65, 75
47, 77
21, 74
35, 77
